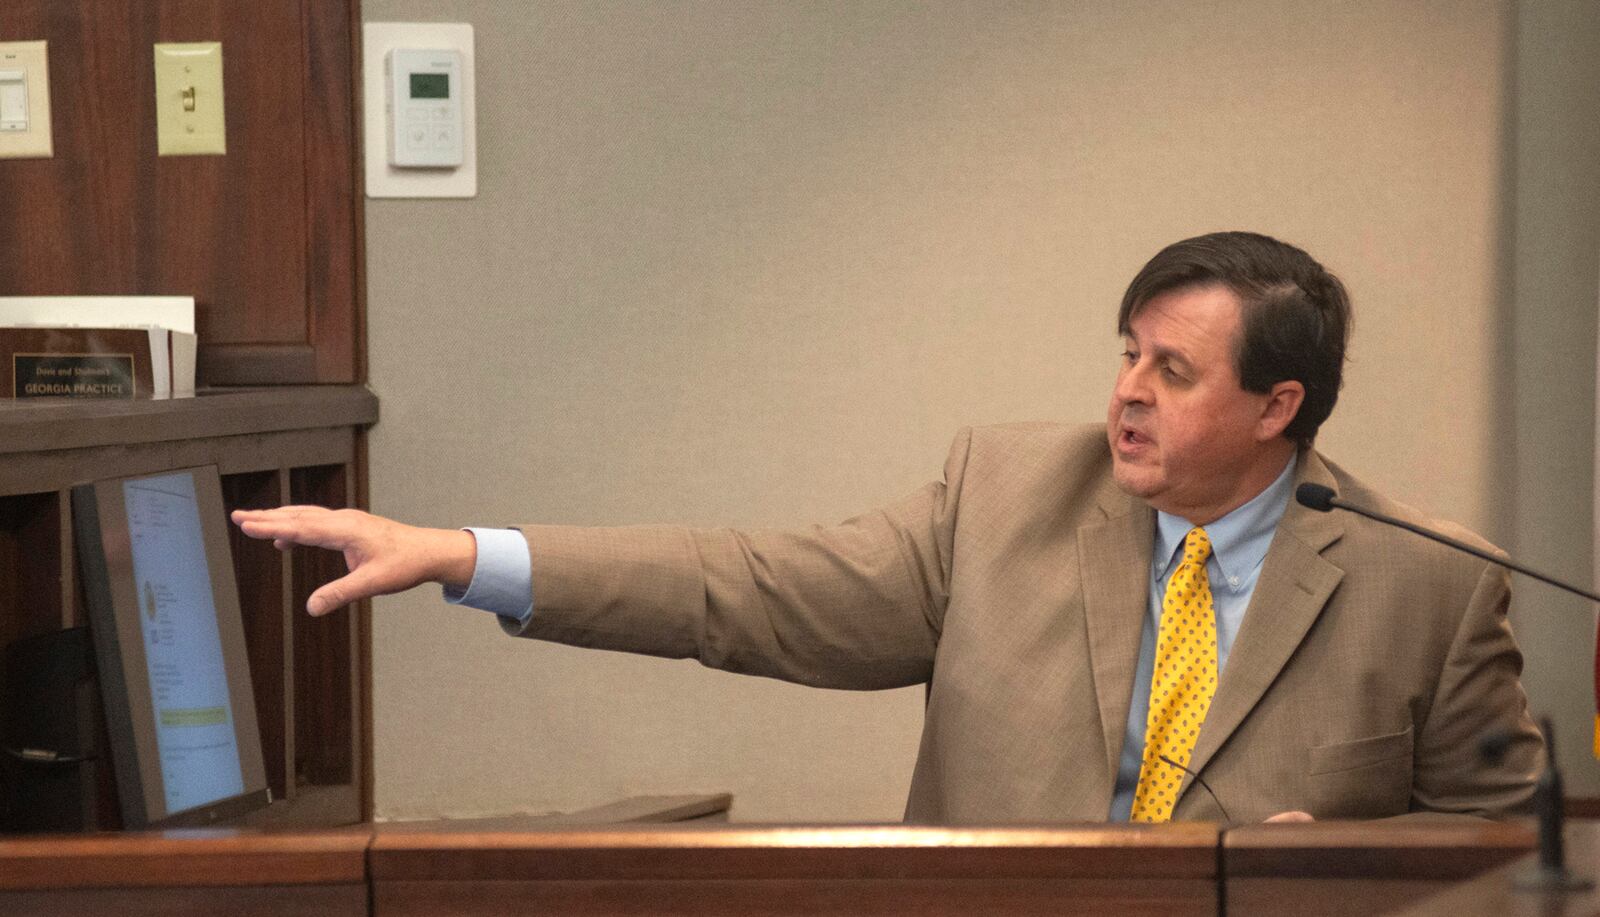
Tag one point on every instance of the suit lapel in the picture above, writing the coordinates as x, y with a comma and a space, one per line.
1293, 588
1114, 555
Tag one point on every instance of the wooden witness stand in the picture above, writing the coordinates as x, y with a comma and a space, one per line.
562, 865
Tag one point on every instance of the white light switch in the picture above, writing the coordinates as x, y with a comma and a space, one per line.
24, 101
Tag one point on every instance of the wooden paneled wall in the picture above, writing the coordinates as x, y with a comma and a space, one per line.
266, 238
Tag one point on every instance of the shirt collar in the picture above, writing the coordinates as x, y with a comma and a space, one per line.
1239, 540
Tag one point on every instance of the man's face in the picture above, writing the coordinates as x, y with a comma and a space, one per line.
1184, 436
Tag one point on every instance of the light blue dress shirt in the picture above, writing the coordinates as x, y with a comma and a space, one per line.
1239, 543
502, 583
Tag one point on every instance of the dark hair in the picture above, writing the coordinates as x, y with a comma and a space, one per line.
1295, 315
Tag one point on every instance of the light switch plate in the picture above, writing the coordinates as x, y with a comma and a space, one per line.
383, 179
191, 119
25, 101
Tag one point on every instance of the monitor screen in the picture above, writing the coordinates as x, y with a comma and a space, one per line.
169, 643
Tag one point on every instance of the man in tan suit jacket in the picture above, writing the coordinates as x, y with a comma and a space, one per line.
1366, 668
1368, 665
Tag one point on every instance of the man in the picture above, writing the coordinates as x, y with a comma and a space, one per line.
1100, 613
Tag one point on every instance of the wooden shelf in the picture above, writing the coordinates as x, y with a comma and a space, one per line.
301, 444
35, 425
270, 245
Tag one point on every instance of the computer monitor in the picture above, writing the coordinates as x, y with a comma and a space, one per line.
157, 576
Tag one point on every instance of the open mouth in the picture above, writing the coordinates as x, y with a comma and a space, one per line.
1133, 437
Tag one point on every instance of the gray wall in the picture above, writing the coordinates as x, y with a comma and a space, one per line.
754, 263
1544, 492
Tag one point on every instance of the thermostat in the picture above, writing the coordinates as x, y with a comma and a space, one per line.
13, 100
424, 106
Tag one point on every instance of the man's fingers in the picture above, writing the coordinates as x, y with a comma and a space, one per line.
310, 525
296, 511
323, 601
358, 584
383, 556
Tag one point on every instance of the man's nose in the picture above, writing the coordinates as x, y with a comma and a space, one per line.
1132, 385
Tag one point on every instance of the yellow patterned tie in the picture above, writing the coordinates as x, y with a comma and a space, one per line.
1185, 679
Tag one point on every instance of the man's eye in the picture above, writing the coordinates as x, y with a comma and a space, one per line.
1130, 357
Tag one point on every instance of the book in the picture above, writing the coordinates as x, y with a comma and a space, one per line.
116, 363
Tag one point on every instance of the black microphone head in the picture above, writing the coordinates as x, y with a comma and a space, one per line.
1315, 496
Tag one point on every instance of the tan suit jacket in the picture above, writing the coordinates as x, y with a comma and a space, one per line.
1369, 663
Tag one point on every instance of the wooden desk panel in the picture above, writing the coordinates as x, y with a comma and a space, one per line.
402, 870
770, 898
186, 872
235, 901
798, 870
1357, 868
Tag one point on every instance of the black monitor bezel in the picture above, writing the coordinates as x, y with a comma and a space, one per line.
99, 511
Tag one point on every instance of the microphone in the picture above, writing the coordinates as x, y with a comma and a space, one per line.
1323, 499
1552, 874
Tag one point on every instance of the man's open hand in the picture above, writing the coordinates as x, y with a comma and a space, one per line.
383, 556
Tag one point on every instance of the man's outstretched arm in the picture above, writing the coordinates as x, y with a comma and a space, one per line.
382, 555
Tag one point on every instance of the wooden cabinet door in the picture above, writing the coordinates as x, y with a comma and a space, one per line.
266, 238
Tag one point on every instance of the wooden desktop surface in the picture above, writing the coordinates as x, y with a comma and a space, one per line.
1495, 892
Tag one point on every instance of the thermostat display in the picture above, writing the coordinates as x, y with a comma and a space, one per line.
430, 85
424, 96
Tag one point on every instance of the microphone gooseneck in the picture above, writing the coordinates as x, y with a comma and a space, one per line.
1203, 785
1323, 499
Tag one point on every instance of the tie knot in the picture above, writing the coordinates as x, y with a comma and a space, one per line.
1196, 546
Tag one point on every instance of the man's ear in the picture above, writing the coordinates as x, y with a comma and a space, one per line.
1282, 404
